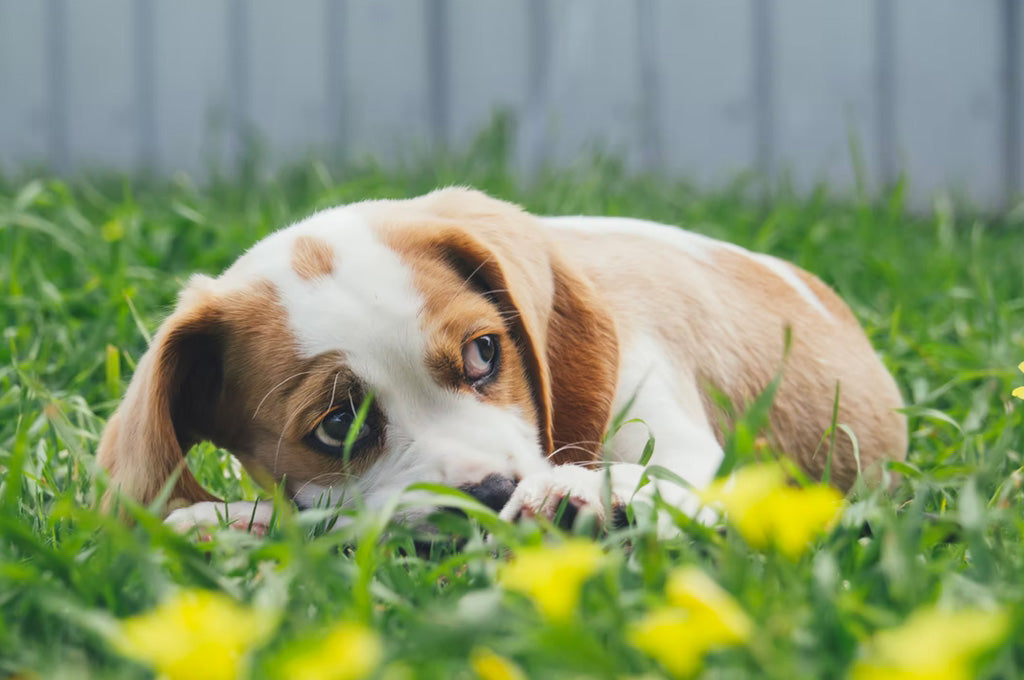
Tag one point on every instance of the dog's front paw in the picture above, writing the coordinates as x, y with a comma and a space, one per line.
247, 516
564, 493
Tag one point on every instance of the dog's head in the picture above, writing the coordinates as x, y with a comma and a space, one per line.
480, 350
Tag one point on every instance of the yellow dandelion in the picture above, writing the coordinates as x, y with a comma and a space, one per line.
722, 619
666, 635
768, 512
195, 635
347, 651
1019, 391
932, 644
489, 665
698, 618
552, 576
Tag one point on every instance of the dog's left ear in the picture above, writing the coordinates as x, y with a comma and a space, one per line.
565, 334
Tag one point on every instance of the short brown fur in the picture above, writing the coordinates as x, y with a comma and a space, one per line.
312, 257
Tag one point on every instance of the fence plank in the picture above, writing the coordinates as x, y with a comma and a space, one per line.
948, 98
826, 94
23, 79
1013, 122
287, 70
102, 123
191, 86
388, 80
489, 63
706, 94
591, 97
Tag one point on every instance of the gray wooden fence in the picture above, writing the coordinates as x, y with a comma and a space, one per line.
703, 89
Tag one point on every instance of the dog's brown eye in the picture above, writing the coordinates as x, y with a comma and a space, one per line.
331, 432
480, 359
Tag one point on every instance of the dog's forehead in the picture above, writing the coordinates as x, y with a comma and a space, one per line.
341, 288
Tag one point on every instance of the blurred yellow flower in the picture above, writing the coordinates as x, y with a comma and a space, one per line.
195, 635
700, 617
348, 651
932, 645
553, 576
1019, 391
491, 666
767, 511
720, 615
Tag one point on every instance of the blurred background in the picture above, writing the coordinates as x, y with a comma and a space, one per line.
794, 93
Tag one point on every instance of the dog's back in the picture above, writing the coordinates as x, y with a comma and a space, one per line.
722, 316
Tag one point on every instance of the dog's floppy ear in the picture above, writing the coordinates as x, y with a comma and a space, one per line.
565, 334
583, 361
169, 406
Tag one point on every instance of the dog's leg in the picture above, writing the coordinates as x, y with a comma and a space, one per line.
254, 517
662, 407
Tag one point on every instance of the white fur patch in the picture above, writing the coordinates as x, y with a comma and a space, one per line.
697, 246
253, 516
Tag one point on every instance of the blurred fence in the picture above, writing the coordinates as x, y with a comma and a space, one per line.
704, 89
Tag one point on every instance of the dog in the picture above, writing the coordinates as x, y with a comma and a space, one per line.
492, 349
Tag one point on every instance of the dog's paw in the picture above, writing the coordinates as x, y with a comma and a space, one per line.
247, 516
564, 493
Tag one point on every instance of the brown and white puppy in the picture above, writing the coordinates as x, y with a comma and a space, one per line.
496, 346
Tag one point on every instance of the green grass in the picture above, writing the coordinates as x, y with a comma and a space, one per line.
90, 267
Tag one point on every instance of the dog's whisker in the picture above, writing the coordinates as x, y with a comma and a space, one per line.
274, 389
574, 446
333, 475
334, 389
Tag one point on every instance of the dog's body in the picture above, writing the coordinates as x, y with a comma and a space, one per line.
496, 346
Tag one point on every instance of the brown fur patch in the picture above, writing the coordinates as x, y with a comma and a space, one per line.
312, 257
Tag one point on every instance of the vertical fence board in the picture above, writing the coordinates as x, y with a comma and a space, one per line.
103, 130
1015, 185
192, 85
388, 80
825, 95
591, 98
948, 99
705, 79
287, 71
23, 78
489, 63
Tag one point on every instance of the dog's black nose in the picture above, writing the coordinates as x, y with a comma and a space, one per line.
493, 491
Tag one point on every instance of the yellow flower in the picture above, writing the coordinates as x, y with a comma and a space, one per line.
348, 651
1019, 391
195, 635
767, 511
700, 617
665, 635
722, 619
933, 645
491, 666
553, 576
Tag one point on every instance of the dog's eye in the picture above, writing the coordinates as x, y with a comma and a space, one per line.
480, 359
333, 429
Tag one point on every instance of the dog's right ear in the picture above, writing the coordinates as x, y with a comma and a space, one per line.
170, 405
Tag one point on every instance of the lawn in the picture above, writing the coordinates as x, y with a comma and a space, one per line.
930, 576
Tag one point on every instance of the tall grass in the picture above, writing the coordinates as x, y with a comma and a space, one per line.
90, 266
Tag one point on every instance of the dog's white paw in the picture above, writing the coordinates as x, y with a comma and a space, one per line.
542, 494
245, 515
